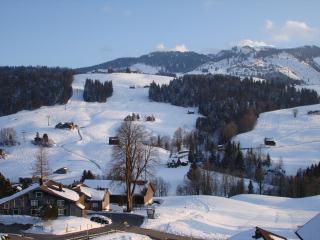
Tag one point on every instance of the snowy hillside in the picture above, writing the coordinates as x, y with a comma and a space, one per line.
97, 121
212, 217
251, 64
297, 139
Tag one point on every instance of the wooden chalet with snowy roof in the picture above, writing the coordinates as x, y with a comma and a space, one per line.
114, 141
269, 141
96, 200
43, 141
143, 193
38, 196
66, 125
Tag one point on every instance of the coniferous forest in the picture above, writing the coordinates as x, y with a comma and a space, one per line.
27, 88
230, 106
95, 91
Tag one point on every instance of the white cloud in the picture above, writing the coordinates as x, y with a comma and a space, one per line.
269, 25
292, 30
180, 48
252, 43
161, 47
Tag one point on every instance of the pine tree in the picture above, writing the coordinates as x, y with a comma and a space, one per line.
191, 154
5, 187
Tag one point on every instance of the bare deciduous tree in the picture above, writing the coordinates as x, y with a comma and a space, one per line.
41, 168
8, 137
162, 187
178, 139
133, 158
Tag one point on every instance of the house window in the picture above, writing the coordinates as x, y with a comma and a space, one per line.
34, 203
60, 203
95, 205
38, 195
34, 212
16, 211
6, 205
60, 211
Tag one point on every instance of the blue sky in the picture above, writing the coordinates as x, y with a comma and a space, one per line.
76, 33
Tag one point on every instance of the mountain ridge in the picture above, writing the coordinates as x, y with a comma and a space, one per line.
300, 63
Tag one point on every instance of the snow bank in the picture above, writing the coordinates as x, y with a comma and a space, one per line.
211, 217
63, 225
19, 219
123, 236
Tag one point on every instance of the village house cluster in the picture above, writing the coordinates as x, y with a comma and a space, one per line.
73, 200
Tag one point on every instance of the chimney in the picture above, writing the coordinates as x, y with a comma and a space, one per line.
40, 181
60, 187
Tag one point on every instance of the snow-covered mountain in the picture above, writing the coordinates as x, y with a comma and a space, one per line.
298, 64
302, 63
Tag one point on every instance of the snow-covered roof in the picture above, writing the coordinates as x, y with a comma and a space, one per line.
114, 187
64, 192
49, 187
18, 194
93, 194
310, 230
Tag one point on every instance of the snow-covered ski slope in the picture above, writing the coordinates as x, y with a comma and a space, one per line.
211, 217
297, 139
97, 121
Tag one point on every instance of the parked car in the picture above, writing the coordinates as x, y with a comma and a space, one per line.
100, 219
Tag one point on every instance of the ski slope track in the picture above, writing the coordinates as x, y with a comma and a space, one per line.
89, 149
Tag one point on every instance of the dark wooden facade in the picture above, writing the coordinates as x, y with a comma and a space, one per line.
31, 203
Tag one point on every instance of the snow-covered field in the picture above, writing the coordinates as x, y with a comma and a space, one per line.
297, 139
123, 236
97, 121
63, 225
211, 217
